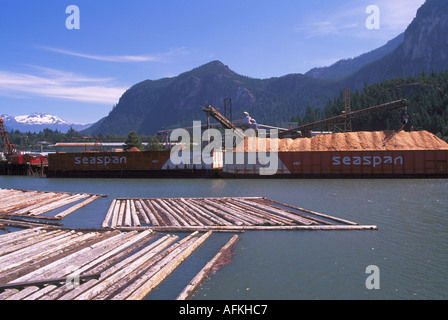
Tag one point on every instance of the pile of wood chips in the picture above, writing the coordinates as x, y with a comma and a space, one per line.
349, 141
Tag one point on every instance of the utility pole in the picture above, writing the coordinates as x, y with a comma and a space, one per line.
228, 109
348, 110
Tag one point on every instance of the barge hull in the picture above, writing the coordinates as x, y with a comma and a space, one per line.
343, 164
145, 164
135, 174
289, 165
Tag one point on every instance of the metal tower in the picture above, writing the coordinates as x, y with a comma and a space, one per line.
348, 110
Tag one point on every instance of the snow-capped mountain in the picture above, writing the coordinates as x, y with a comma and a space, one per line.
39, 119
37, 122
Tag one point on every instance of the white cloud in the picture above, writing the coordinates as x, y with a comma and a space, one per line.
332, 22
324, 28
59, 84
349, 19
123, 58
397, 15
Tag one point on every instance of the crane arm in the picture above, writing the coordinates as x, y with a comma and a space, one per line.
223, 121
352, 115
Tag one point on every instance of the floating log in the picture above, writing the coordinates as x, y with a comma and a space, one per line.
279, 212
182, 209
41, 293
156, 219
21, 224
35, 218
121, 213
77, 207
233, 229
173, 221
225, 213
190, 289
32, 221
135, 219
141, 212
176, 216
39, 207
150, 212
318, 214
21, 207
63, 201
257, 217
201, 219
205, 213
109, 214
127, 214
275, 219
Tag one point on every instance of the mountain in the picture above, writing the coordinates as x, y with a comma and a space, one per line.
152, 105
345, 67
37, 122
424, 48
174, 102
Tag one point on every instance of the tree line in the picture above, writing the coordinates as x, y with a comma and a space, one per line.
33, 140
427, 94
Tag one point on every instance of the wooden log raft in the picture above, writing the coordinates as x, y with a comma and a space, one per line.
167, 265
35, 203
204, 214
109, 264
45, 264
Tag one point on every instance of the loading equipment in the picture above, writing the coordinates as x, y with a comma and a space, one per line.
339, 123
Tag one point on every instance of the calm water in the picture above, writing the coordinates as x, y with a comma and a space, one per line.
410, 248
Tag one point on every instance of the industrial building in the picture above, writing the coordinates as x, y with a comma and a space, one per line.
82, 147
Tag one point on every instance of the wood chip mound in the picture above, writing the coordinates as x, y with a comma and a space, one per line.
349, 141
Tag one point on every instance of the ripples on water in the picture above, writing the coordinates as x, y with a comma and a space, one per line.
410, 247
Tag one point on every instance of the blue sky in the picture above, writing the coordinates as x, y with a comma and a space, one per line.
79, 74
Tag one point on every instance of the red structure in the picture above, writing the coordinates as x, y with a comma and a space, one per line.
8, 147
29, 158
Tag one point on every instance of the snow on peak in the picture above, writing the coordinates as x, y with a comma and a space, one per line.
39, 119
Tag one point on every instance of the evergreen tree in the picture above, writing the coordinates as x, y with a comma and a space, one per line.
72, 133
133, 141
427, 95
155, 145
